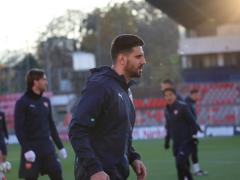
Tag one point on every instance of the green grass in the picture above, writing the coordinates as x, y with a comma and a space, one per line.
219, 156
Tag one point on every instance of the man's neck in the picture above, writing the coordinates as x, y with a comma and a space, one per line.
120, 72
192, 99
172, 103
36, 91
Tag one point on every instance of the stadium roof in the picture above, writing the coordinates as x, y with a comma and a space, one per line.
191, 13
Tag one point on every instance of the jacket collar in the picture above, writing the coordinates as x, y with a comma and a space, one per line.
32, 94
108, 71
189, 99
172, 106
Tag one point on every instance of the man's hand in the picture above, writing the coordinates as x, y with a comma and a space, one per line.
139, 169
195, 139
6, 140
199, 128
30, 156
63, 153
101, 175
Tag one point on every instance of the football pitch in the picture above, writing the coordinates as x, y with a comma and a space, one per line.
220, 156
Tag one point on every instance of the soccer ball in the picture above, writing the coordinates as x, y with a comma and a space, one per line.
8, 166
5, 166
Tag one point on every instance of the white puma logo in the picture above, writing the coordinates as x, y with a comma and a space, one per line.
120, 96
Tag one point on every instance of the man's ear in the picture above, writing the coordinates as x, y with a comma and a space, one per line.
34, 82
122, 59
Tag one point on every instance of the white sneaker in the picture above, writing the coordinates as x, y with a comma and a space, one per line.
201, 173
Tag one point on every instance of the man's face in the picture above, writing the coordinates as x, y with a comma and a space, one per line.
170, 97
41, 84
135, 62
196, 96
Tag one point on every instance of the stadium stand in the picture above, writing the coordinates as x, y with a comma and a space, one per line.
149, 103
220, 105
7, 105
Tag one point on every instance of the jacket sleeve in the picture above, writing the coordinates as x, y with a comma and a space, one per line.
84, 119
167, 128
194, 113
133, 155
20, 116
53, 129
5, 127
190, 119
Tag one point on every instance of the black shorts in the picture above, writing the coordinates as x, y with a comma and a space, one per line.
44, 164
185, 149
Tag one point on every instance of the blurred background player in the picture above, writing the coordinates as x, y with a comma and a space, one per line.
180, 128
3, 135
167, 83
4, 165
191, 100
34, 127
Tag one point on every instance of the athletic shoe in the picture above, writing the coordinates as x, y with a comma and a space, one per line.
201, 173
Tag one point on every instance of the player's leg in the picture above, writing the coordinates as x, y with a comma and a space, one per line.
29, 170
55, 175
194, 157
2, 173
3, 149
195, 163
183, 170
52, 167
182, 162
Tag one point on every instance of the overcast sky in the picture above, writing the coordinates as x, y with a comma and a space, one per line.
22, 20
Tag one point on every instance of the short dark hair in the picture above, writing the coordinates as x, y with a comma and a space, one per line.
124, 42
169, 90
33, 74
194, 91
168, 81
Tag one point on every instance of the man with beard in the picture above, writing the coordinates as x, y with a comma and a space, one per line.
181, 128
35, 128
102, 124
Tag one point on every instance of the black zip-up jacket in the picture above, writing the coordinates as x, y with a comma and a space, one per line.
3, 127
191, 104
102, 124
180, 123
34, 124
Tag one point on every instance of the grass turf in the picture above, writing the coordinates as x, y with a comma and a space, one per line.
220, 156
